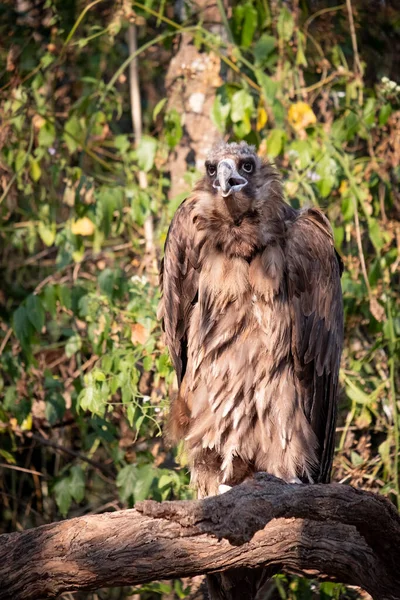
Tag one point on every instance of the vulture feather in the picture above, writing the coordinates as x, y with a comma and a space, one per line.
253, 319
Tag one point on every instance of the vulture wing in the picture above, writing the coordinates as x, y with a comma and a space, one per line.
179, 278
315, 298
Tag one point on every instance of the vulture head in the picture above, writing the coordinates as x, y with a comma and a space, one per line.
231, 168
239, 181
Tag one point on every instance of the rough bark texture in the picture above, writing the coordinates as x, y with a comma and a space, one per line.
333, 532
191, 82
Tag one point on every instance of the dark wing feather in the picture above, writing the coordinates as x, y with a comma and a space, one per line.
179, 283
316, 304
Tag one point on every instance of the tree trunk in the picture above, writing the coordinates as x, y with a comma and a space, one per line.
333, 532
191, 83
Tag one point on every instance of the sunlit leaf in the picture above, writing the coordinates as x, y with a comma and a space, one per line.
262, 118
285, 24
220, 113
158, 107
35, 170
275, 142
249, 25
146, 152
73, 345
83, 227
301, 115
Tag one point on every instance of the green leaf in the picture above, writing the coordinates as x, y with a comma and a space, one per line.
47, 233
351, 125
158, 108
242, 106
300, 56
10, 398
264, 47
35, 170
147, 363
63, 496
130, 413
93, 397
302, 153
55, 407
145, 476
135, 481
275, 141
49, 299
249, 25
35, 311
73, 134
173, 128
20, 160
22, 325
268, 85
375, 234
354, 392
47, 135
384, 114
64, 296
285, 25
369, 111
109, 201
163, 365
326, 169
347, 208
146, 153
77, 483
73, 345
139, 422
220, 113
126, 481
8, 457
122, 143
384, 450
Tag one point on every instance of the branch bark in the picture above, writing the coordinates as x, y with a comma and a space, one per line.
333, 532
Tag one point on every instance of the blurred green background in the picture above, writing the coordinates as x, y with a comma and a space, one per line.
107, 109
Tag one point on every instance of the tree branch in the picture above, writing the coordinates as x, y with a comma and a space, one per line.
333, 532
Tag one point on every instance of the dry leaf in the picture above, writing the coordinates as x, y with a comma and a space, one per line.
376, 309
139, 334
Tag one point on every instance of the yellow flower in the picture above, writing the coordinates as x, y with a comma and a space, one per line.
301, 115
83, 226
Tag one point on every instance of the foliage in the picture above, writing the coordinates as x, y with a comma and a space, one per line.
85, 377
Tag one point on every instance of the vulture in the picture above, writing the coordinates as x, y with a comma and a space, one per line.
252, 314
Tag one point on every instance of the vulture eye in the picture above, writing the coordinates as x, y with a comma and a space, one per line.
211, 170
248, 167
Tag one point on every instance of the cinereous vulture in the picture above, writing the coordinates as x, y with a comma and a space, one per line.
253, 319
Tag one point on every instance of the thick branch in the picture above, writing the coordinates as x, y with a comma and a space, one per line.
331, 531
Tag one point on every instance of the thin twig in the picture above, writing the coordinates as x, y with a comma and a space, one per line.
5, 340
360, 249
357, 64
136, 113
103, 469
15, 468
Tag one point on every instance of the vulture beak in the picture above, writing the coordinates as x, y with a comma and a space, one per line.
228, 179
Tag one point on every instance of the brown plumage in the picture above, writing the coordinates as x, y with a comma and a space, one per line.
252, 312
